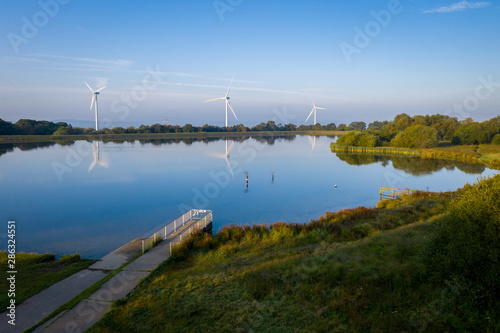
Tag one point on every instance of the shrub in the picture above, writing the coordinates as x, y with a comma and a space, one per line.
496, 140
359, 139
466, 246
417, 136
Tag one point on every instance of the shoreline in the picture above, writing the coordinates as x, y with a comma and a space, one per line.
148, 136
483, 154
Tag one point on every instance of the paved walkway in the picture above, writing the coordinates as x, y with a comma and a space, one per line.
89, 311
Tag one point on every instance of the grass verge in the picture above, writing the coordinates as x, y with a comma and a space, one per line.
36, 272
355, 270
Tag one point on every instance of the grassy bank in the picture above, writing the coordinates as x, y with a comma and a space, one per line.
488, 154
143, 136
350, 271
35, 272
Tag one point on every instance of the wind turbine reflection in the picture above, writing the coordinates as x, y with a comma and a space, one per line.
97, 157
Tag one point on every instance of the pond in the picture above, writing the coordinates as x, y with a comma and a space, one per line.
92, 197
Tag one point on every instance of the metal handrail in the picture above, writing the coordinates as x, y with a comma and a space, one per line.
204, 216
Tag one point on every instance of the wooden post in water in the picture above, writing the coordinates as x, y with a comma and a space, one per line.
143, 246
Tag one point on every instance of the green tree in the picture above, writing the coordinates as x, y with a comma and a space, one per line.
417, 136
64, 130
492, 126
446, 127
7, 128
188, 128
359, 139
271, 126
471, 133
330, 127
421, 120
377, 125
26, 126
356, 126
341, 127
402, 121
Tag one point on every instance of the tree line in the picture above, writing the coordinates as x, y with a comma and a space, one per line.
422, 132
43, 127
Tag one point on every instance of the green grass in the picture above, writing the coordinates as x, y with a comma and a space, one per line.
351, 271
488, 154
36, 272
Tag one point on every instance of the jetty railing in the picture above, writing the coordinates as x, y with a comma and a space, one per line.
389, 193
203, 218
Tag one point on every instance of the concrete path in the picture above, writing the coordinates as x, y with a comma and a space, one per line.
89, 311
38, 307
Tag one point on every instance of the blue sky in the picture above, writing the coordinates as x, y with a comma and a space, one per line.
361, 60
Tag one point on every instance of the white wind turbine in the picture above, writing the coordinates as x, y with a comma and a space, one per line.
226, 98
314, 111
97, 159
94, 98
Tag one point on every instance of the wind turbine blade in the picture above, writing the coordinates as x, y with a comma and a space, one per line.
215, 99
214, 154
100, 89
92, 165
229, 149
229, 166
95, 154
227, 94
310, 114
89, 86
92, 103
320, 108
234, 114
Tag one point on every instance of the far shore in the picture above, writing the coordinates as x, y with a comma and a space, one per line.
146, 136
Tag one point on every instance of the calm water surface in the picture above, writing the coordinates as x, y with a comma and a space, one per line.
61, 206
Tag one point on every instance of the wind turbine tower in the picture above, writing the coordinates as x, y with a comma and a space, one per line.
314, 111
94, 98
226, 98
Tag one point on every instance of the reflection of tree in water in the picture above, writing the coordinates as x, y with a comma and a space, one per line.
6, 148
470, 168
415, 166
358, 159
25, 146
271, 140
